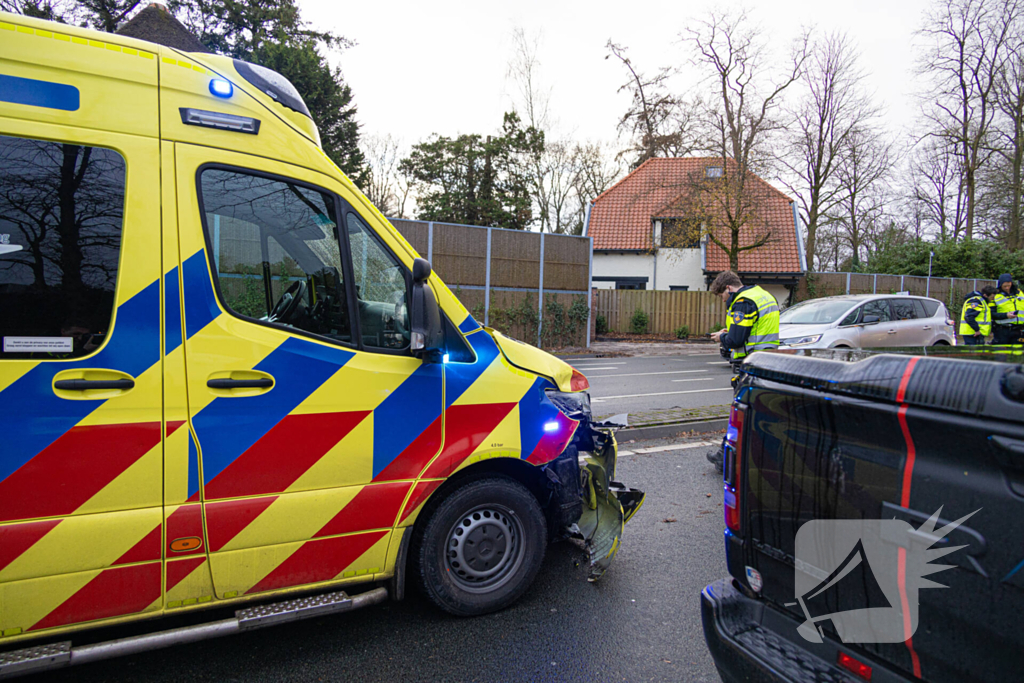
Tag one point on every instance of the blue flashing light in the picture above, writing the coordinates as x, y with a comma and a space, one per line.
444, 359
551, 426
221, 88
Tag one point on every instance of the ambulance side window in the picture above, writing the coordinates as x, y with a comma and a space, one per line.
276, 252
381, 289
61, 212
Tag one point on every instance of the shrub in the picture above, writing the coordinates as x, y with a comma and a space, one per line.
639, 322
682, 332
601, 324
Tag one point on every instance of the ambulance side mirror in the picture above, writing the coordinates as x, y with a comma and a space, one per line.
427, 331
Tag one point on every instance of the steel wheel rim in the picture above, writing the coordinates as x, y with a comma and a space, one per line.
484, 548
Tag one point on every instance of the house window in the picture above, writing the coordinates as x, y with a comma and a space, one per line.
679, 288
713, 171
630, 284
680, 233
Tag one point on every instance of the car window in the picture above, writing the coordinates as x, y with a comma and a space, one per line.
381, 289
920, 309
879, 307
852, 317
276, 252
903, 309
930, 307
61, 212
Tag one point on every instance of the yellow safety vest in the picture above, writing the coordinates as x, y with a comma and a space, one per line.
764, 334
1010, 304
984, 319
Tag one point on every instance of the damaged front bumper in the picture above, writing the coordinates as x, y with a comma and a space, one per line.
591, 506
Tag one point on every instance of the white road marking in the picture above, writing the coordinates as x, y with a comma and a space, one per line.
696, 379
600, 367
670, 447
721, 362
700, 354
660, 393
642, 374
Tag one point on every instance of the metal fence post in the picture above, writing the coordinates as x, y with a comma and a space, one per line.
928, 286
540, 295
848, 283
902, 288
487, 283
430, 242
975, 285
590, 288
951, 285
874, 287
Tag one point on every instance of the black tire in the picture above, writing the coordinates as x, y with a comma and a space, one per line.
481, 546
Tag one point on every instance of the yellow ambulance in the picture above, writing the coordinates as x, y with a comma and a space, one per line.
227, 381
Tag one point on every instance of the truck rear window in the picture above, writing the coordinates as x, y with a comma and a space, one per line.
61, 212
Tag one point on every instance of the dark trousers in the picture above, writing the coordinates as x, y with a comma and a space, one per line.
974, 340
1008, 334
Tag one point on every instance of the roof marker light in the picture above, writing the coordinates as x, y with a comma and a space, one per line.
221, 88
445, 358
551, 426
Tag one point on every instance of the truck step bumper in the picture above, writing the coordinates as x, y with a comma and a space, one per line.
754, 643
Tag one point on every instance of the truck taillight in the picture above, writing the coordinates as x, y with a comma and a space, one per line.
578, 381
732, 466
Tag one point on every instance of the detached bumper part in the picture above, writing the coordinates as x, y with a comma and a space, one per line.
607, 504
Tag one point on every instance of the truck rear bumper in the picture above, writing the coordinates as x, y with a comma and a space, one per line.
754, 643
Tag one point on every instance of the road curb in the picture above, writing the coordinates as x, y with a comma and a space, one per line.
670, 430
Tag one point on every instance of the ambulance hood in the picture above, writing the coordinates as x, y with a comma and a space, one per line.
532, 359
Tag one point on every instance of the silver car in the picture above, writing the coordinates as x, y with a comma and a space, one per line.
866, 321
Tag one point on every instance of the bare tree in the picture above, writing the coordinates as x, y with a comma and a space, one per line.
833, 104
740, 117
867, 161
658, 122
939, 188
1008, 180
969, 44
385, 186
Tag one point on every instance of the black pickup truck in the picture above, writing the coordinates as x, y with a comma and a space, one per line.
898, 448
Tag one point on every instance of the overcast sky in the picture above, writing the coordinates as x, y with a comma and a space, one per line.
440, 67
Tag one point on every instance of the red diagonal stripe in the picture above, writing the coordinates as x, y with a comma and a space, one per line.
73, 469
145, 550
465, 428
172, 426
552, 444
113, 592
179, 569
185, 522
283, 455
374, 507
226, 519
422, 492
17, 538
319, 560
415, 457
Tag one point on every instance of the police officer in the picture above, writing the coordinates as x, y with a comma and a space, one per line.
753, 317
1008, 312
976, 316
752, 325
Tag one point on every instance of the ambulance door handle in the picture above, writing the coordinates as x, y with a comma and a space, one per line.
262, 383
91, 384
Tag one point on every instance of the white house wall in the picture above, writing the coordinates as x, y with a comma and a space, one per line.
622, 265
675, 267
680, 268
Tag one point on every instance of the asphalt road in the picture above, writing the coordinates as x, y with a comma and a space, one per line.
640, 622
688, 380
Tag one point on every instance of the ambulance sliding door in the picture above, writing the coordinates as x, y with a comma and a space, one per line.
310, 435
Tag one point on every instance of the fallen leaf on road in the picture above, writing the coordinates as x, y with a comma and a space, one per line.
708, 495
669, 520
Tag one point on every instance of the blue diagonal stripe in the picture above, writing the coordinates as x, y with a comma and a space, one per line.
459, 377
228, 426
534, 410
200, 301
406, 414
172, 311
32, 417
469, 325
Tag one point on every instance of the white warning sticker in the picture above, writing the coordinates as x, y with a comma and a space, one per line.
38, 344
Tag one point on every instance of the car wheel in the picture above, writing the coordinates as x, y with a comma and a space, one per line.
941, 342
481, 547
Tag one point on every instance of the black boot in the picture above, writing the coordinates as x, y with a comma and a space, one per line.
714, 457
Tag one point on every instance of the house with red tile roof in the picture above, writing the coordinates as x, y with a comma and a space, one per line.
644, 234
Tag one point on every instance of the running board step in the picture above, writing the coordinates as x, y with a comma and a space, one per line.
56, 655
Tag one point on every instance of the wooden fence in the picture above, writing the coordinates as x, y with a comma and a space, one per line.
666, 311
504, 276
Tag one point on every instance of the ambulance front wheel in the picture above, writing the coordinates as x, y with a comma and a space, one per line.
481, 547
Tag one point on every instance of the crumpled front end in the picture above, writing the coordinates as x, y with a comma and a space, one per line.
591, 505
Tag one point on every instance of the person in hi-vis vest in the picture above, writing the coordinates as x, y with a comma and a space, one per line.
752, 319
